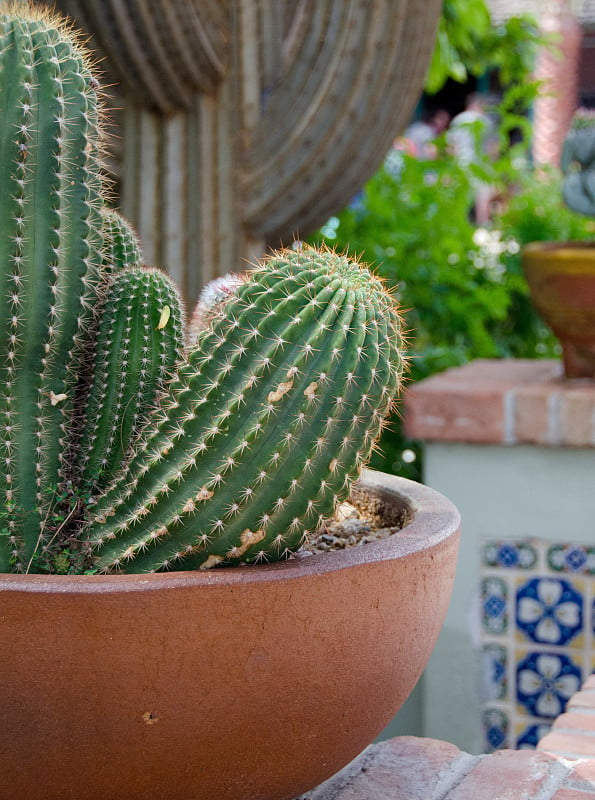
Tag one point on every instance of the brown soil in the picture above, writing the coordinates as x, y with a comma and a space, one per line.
364, 519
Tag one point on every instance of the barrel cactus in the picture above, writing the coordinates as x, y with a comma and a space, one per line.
128, 446
578, 164
266, 424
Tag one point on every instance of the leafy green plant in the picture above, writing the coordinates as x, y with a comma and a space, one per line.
468, 43
120, 451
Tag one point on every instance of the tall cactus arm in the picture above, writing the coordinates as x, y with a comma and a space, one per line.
266, 425
163, 52
50, 244
354, 81
139, 342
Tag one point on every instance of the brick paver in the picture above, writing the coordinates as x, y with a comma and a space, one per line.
411, 768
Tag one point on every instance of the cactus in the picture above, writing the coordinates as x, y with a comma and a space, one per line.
139, 342
225, 454
578, 164
266, 424
210, 301
50, 241
121, 246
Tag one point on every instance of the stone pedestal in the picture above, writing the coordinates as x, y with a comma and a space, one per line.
512, 444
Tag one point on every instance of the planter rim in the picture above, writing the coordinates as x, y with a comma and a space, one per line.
561, 249
434, 520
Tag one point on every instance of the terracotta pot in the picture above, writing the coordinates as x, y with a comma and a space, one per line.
561, 278
256, 682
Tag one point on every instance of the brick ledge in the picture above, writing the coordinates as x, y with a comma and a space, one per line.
507, 401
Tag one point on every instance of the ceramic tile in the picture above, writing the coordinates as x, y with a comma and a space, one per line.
544, 682
496, 728
494, 603
571, 559
549, 610
509, 554
537, 635
495, 671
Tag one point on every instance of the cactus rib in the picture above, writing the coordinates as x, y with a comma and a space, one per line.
121, 246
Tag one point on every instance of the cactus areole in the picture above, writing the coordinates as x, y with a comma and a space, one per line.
123, 447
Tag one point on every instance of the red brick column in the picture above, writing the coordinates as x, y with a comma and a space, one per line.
411, 768
557, 68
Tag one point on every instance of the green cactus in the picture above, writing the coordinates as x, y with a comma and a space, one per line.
265, 426
138, 343
578, 164
264, 422
121, 245
50, 242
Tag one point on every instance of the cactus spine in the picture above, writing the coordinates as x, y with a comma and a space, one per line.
50, 241
265, 426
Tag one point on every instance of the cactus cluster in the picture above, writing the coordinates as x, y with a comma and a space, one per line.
125, 446
578, 164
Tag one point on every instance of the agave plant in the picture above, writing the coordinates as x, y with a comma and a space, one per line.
578, 163
124, 449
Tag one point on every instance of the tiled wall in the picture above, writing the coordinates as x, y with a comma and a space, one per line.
537, 635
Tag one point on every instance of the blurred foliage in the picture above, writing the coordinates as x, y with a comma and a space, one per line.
461, 287
468, 44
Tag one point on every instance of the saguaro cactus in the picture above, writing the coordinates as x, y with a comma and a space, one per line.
250, 122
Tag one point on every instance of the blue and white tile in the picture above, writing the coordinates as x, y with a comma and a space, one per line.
496, 729
545, 681
549, 610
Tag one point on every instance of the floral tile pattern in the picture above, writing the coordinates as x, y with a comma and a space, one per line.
537, 631
549, 610
545, 682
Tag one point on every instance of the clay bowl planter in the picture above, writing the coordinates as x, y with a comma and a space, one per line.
255, 682
561, 278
